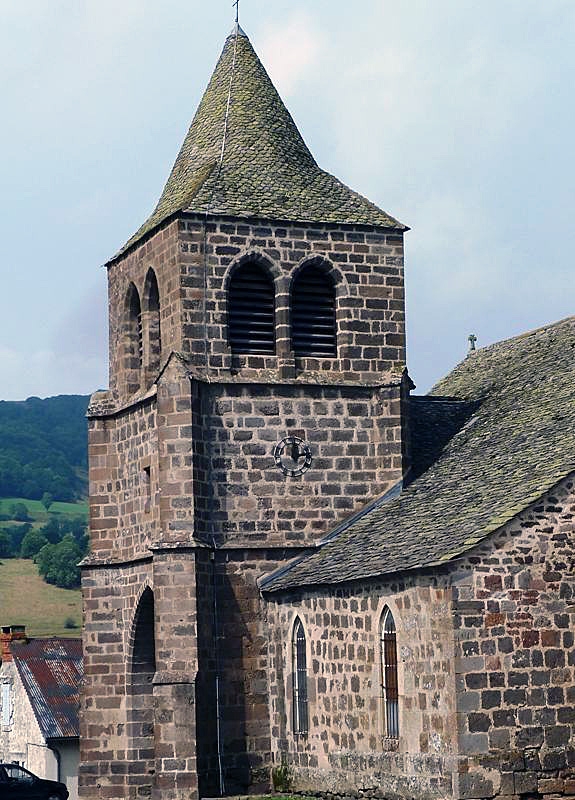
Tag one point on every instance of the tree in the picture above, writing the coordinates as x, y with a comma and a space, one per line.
32, 543
58, 563
17, 534
19, 512
47, 500
56, 528
5, 544
53, 530
45, 560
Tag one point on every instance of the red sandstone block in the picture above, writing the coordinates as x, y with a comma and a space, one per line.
547, 785
530, 638
550, 638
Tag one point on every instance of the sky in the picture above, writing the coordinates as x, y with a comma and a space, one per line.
454, 116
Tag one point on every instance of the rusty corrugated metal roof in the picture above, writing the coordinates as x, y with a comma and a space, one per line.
51, 671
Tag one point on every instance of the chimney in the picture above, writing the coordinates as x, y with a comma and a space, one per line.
10, 635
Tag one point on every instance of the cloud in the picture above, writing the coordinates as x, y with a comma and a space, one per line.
46, 373
290, 51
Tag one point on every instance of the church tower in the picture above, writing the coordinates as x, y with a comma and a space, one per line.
256, 401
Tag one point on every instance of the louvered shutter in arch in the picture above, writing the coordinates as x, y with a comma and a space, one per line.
313, 314
251, 323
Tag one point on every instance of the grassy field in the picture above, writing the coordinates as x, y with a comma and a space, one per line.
26, 600
39, 514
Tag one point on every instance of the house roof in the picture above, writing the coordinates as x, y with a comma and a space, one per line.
499, 433
51, 671
244, 156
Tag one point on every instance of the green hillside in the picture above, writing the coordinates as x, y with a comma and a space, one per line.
43, 448
46, 610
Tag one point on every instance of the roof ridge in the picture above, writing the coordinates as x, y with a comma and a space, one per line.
495, 346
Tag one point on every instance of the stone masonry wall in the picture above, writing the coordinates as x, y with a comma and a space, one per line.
206, 467
161, 253
134, 742
367, 267
192, 260
346, 751
233, 643
124, 481
241, 496
515, 622
109, 600
486, 673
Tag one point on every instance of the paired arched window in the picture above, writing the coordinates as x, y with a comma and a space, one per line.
389, 682
142, 335
299, 671
251, 312
313, 328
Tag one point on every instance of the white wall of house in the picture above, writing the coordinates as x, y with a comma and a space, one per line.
21, 739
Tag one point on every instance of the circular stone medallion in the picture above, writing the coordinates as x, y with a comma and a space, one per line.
293, 456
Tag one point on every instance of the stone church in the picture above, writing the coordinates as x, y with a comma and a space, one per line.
300, 575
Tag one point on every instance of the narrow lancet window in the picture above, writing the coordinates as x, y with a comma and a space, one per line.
133, 340
153, 335
389, 683
313, 323
251, 307
299, 664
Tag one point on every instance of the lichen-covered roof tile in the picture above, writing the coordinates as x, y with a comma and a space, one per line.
489, 441
247, 158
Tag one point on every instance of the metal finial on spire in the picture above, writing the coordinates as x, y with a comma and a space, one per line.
237, 5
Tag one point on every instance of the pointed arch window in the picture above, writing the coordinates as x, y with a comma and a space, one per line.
152, 323
313, 324
143, 643
389, 681
299, 669
251, 310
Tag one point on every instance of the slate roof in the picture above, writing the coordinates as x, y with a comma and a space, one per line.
266, 169
51, 671
500, 433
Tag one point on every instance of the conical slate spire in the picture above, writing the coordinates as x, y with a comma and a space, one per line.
244, 156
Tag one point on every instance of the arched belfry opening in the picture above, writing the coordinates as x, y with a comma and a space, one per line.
313, 323
251, 310
141, 670
151, 325
133, 340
